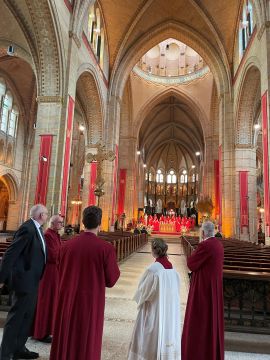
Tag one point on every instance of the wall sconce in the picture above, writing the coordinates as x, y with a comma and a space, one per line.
144, 165
138, 152
43, 158
81, 127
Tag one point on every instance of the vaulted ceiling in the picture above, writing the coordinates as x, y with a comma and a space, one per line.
171, 134
127, 21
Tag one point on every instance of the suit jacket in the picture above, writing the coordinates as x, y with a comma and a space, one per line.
24, 260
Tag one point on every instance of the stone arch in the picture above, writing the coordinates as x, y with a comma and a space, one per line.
43, 40
246, 105
181, 32
156, 99
89, 96
12, 183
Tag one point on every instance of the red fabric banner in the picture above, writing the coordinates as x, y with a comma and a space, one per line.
115, 171
243, 191
122, 190
93, 177
216, 186
67, 155
43, 168
265, 162
220, 185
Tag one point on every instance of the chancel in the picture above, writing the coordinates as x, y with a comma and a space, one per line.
157, 113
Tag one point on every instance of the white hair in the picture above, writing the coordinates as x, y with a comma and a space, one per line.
53, 219
36, 210
208, 229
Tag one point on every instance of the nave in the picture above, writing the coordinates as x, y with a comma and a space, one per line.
120, 312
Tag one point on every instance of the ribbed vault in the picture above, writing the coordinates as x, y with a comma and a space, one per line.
171, 134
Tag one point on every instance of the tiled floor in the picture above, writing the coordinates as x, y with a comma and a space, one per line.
121, 311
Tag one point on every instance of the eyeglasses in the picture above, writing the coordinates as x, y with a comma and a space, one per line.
60, 222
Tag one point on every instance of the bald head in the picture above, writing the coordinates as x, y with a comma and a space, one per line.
208, 229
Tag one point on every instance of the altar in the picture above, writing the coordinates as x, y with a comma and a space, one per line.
169, 224
167, 227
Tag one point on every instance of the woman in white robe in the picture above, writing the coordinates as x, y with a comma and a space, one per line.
156, 334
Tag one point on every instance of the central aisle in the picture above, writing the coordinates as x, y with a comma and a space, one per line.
121, 311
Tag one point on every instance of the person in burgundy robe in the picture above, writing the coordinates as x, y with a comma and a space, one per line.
87, 265
203, 331
48, 286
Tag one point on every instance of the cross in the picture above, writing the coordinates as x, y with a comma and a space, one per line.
99, 157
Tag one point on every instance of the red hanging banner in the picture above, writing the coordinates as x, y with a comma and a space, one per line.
216, 184
43, 168
243, 191
122, 190
115, 170
67, 156
220, 185
93, 177
265, 163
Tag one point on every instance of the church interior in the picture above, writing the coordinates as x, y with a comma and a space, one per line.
158, 112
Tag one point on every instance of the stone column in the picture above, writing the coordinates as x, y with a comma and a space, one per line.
49, 115
245, 160
264, 37
226, 141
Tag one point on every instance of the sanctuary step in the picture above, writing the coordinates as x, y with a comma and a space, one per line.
246, 284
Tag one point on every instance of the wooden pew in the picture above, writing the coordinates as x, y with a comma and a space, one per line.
246, 284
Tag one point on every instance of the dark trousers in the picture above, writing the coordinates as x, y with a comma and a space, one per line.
18, 324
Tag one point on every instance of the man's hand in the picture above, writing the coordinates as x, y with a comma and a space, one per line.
1, 285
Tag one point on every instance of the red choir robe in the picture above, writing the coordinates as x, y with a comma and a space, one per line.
87, 265
48, 288
204, 322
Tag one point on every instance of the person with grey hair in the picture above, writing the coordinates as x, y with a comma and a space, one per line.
48, 287
21, 270
204, 311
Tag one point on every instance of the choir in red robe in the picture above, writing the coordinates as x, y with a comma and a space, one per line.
48, 288
203, 331
88, 265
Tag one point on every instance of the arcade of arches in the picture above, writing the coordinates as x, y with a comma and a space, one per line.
178, 90
156, 92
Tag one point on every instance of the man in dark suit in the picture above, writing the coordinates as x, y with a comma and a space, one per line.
21, 269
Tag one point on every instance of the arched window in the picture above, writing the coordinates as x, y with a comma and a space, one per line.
6, 108
193, 178
171, 177
159, 176
184, 177
246, 27
96, 33
12, 121
91, 23
150, 176
9, 112
197, 177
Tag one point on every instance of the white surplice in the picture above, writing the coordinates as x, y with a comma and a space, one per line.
156, 334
